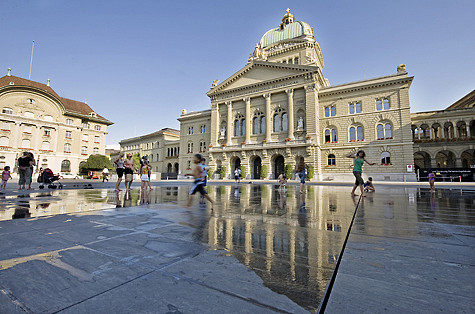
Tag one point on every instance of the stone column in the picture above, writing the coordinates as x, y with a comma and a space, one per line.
215, 127
230, 122
431, 131
290, 95
419, 130
268, 117
247, 100
467, 125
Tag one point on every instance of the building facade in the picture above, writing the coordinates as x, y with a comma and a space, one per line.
162, 149
445, 138
280, 109
60, 132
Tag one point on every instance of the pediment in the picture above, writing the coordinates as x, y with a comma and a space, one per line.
258, 72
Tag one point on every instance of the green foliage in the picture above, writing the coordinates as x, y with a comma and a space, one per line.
222, 172
209, 174
136, 159
310, 172
288, 171
263, 172
243, 171
95, 163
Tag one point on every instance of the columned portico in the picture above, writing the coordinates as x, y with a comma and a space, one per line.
268, 117
290, 95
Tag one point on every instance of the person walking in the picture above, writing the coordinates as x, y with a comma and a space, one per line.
237, 175
358, 161
129, 171
5, 177
198, 183
431, 181
119, 164
24, 171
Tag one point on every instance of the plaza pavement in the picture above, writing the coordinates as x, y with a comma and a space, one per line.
133, 260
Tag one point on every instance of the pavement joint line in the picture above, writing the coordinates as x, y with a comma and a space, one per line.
408, 239
328, 289
14, 300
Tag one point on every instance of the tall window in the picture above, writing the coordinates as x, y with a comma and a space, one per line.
27, 129
67, 148
45, 145
85, 125
5, 126
202, 146
97, 139
382, 104
330, 136
385, 158
331, 160
259, 123
95, 150
255, 125
65, 166
384, 131
69, 134
236, 128
263, 125
69, 121
239, 125
279, 120
25, 143
276, 123
243, 127
85, 137
97, 127
296, 60
351, 109
327, 112
359, 133
330, 111
84, 150
190, 148
4, 141
285, 122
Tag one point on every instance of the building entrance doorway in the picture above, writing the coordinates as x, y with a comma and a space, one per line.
256, 168
278, 166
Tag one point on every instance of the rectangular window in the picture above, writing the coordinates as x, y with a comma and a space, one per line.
85, 125
385, 104
95, 150
358, 107
97, 127
84, 150
332, 111
351, 109
327, 112
69, 121
85, 137
7, 111
97, 139
379, 105
5, 126
47, 132
69, 134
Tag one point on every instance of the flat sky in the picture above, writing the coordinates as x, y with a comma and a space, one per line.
138, 63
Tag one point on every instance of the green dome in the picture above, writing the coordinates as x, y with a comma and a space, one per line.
292, 30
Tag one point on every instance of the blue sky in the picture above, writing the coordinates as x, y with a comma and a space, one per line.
138, 63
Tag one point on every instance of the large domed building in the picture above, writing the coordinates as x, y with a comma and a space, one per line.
279, 109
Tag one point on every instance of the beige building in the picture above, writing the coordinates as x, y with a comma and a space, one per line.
162, 149
280, 109
445, 138
60, 132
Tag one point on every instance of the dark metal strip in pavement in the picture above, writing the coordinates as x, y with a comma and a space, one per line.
326, 295
14, 300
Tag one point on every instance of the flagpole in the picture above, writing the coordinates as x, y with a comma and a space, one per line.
31, 60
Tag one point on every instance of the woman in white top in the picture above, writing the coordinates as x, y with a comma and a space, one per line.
119, 163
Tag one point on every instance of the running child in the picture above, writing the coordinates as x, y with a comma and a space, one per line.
198, 183
5, 177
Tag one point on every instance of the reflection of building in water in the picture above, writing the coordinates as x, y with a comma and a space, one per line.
276, 244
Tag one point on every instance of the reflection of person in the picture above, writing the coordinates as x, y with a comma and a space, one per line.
24, 171
282, 181
198, 181
302, 215
128, 171
368, 185
119, 163
358, 161
432, 181
5, 177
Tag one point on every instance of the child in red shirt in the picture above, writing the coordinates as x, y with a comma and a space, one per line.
5, 177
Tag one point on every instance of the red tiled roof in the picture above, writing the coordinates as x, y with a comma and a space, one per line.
71, 106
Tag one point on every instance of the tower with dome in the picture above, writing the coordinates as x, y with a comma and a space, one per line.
279, 110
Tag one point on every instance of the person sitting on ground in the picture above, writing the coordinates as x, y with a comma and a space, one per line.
368, 185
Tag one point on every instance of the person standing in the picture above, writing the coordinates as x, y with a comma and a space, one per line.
237, 176
119, 163
32, 168
431, 181
358, 161
145, 171
5, 177
105, 174
198, 183
129, 171
24, 171
302, 175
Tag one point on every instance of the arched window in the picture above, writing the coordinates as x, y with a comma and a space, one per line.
385, 104
331, 160
48, 118
380, 132
236, 127
352, 134
243, 127
330, 136
45, 145
255, 125
296, 60
359, 133
387, 131
4, 141
29, 114
263, 125
25, 143
358, 107
285, 122
385, 159
67, 148
65, 166
276, 123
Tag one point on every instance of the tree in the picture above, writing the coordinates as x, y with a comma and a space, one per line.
243, 171
288, 171
95, 163
222, 172
209, 174
136, 159
264, 171
310, 172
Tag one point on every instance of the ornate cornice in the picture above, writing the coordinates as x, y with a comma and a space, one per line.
365, 85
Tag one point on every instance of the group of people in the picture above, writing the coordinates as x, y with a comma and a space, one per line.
26, 164
124, 167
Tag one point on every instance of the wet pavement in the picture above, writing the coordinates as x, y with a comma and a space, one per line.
259, 250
